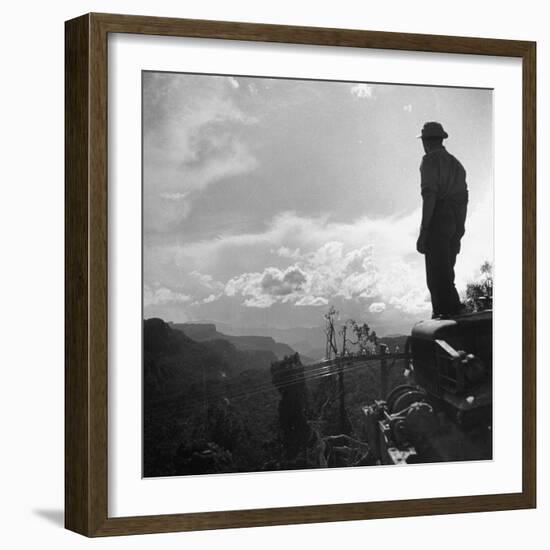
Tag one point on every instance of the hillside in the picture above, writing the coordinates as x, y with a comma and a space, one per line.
309, 342
174, 362
203, 332
210, 407
197, 393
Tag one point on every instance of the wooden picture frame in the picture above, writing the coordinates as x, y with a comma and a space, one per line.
86, 283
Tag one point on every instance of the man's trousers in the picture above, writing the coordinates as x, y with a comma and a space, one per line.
440, 275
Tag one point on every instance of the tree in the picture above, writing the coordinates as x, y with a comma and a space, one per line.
366, 340
331, 348
288, 377
479, 293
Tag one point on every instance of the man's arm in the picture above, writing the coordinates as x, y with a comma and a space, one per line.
461, 210
429, 179
428, 206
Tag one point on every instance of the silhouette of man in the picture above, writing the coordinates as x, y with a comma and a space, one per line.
444, 204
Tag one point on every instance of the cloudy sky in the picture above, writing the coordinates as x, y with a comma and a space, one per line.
267, 200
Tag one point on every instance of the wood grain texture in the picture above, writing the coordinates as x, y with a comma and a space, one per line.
86, 412
262, 32
77, 459
529, 274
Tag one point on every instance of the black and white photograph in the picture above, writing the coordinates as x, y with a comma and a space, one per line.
274, 275
317, 275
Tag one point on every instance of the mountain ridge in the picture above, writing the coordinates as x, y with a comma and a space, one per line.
204, 332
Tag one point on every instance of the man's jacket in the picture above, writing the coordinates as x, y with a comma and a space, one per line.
442, 175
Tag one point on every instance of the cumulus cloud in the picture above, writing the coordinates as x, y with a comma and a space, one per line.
189, 289
209, 299
414, 301
314, 301
377, 307
364, 261
313, 261
270, 286
281, 283
161, 296
335, 272
361, 90
332, 272
392, 236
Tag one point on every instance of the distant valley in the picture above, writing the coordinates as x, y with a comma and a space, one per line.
309, 342
210, 404
205, 332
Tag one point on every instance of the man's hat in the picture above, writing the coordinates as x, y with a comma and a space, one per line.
432, 130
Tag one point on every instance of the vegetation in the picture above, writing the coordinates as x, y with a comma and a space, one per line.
479, 293
200, 414
210, 407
